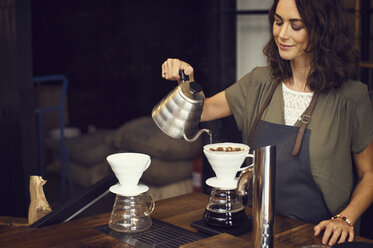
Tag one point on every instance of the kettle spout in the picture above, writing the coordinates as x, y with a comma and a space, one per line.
197, 135
244, 181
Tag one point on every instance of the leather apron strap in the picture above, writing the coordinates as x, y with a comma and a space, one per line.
306, 117
265, 105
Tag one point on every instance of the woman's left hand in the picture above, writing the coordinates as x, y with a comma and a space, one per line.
336, 231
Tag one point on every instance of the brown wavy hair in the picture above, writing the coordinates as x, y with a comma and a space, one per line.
334, 58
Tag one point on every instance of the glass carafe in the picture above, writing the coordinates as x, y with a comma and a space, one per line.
132, 213
224, 208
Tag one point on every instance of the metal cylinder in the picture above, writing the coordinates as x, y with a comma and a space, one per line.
264, 196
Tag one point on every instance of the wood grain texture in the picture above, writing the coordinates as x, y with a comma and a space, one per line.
218, 241
180, 211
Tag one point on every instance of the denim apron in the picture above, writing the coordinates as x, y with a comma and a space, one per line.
296, 193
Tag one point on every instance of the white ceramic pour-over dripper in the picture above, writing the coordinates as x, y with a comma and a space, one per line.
128, 168
226, 164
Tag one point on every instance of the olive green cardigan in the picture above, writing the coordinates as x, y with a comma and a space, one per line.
341, 124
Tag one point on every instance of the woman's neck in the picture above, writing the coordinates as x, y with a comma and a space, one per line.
298, 81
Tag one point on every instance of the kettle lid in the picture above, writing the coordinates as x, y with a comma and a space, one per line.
192, 91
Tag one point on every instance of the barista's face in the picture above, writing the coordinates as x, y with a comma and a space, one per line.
290, 33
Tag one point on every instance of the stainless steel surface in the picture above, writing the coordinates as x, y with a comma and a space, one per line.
262, 176
263, 196
178, 114
244, 180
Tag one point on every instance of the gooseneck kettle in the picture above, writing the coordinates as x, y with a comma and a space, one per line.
178, 114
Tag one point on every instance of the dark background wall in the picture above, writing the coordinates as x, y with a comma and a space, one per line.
17, 128
112, 52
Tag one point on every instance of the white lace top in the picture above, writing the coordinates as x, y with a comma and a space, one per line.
295, 104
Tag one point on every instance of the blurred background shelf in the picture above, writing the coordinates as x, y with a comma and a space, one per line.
366, 64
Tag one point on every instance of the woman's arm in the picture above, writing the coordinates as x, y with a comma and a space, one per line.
362, 197
214, 107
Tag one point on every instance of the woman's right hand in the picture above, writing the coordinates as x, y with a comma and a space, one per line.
171, 67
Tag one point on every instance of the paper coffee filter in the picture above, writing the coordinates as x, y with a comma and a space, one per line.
245, 148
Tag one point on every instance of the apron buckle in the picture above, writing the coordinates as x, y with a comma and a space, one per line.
306, 119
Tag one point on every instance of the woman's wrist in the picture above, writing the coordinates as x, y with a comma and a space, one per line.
342, 217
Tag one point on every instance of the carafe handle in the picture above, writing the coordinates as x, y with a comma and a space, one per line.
244, 180
150, 202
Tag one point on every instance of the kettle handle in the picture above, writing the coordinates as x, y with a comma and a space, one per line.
183, 77
197, 135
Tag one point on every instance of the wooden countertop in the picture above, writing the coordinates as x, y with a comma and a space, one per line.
180, 211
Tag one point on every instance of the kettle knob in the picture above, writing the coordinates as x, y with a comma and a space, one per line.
195, 87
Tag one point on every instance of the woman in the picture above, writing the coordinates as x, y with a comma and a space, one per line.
311, 59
